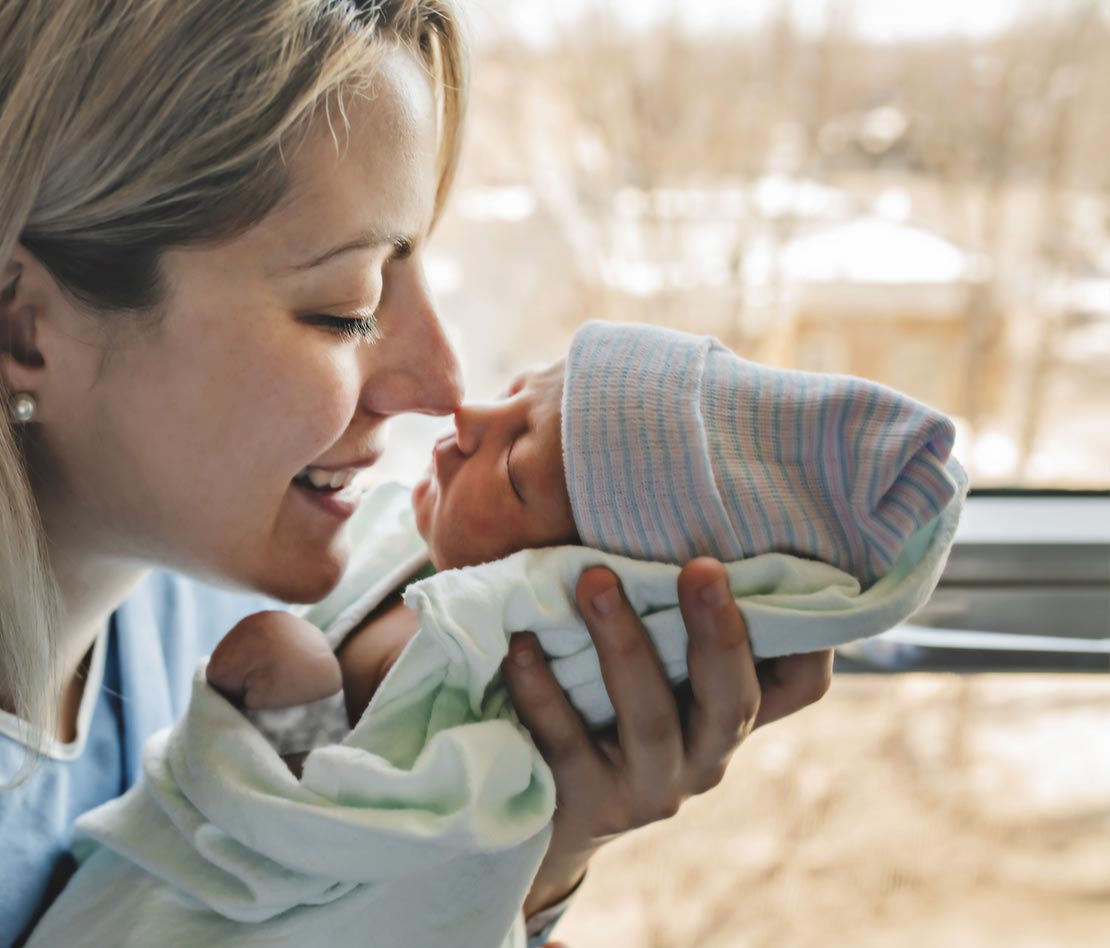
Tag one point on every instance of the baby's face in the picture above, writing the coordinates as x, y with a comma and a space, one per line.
496, 483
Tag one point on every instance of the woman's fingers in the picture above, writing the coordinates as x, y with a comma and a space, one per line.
648, 724
791, 682
641, 770
557, 729
725, 688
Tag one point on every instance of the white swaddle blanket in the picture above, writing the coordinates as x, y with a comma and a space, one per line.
424, 827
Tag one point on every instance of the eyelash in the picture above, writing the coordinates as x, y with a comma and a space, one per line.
357, 328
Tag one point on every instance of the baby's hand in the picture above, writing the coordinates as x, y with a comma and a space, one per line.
274, 660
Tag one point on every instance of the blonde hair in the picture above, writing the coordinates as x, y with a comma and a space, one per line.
131, 126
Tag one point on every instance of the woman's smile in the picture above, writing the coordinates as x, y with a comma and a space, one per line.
337, 489
340, 502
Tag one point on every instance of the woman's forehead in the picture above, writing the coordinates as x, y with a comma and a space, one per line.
364, 178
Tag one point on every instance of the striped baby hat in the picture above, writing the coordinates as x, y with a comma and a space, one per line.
675, 447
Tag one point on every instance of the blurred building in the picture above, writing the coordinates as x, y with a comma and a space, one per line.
884, 300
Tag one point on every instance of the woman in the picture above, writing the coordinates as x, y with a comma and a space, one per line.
212, 221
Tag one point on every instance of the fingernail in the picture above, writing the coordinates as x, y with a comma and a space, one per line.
607, 601
522, 651
715, 594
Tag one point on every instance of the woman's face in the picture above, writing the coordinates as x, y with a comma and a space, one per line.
496, 483
185, 450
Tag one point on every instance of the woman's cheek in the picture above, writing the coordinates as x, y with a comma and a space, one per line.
325, 411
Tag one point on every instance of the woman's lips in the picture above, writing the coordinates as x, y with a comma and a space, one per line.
341, 504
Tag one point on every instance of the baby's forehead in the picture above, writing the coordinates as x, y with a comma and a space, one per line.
539, 373
542, 389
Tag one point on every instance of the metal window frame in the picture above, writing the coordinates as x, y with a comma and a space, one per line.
1026, 588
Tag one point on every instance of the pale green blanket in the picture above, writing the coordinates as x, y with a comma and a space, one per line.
425, 825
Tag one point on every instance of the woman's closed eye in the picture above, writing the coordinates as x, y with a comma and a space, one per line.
351, 327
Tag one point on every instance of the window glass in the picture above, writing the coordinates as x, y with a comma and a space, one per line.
913, 192
916, 193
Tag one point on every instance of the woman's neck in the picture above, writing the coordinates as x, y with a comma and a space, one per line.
91, 583
91, 589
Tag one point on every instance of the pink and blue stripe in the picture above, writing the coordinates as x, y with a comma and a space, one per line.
674, 447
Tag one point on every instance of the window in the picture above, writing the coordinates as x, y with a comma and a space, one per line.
916, 193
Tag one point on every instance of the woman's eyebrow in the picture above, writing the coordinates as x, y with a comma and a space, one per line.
371, 238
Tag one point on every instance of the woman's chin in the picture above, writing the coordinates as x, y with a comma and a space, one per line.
305, 577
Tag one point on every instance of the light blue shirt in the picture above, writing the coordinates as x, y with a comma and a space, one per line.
146, 686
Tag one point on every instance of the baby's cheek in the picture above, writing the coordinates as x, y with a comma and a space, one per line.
486, 537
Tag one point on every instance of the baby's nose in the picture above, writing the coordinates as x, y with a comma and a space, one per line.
471, 422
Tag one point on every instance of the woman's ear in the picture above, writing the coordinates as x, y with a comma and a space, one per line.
17, 323
40, 327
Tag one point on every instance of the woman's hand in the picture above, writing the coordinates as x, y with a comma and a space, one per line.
663, 749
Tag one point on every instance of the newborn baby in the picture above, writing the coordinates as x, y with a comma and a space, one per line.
726, 458
495, 485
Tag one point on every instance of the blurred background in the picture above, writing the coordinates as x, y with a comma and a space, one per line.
918, 193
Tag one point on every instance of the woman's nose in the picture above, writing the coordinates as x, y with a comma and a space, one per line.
413, 368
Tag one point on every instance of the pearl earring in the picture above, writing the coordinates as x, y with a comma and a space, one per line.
22, 407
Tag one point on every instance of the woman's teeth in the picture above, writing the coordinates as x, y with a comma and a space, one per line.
324, 480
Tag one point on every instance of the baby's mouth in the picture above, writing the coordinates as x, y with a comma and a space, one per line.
443, 446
